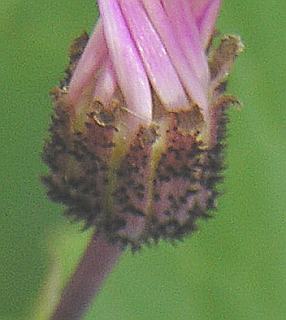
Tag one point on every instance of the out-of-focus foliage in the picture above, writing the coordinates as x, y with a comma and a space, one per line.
233, 268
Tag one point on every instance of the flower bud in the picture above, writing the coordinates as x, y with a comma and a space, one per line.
136, 147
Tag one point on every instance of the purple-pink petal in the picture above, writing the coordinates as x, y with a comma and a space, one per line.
188, 37
205, 12
207, 20
91, 59
185, 71
127, 63
198, 7
105, 84
159, 68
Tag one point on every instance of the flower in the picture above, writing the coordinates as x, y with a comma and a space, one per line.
137, 139
165, 41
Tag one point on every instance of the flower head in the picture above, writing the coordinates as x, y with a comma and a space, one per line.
137, 138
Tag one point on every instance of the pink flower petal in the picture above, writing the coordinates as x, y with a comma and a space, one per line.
198, 7
126, 61
188, 37
105, 84
91, 59
160, 70
207, 20
205, 12
185, 71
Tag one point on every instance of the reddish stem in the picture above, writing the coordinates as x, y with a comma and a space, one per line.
97, 262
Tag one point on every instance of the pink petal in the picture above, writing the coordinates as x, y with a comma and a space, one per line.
126, 61
159, 68
185, 71
198, 7
105, 84
91, 59
207, 20
188, 37
205, 12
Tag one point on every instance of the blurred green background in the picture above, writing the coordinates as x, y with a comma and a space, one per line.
233, 268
